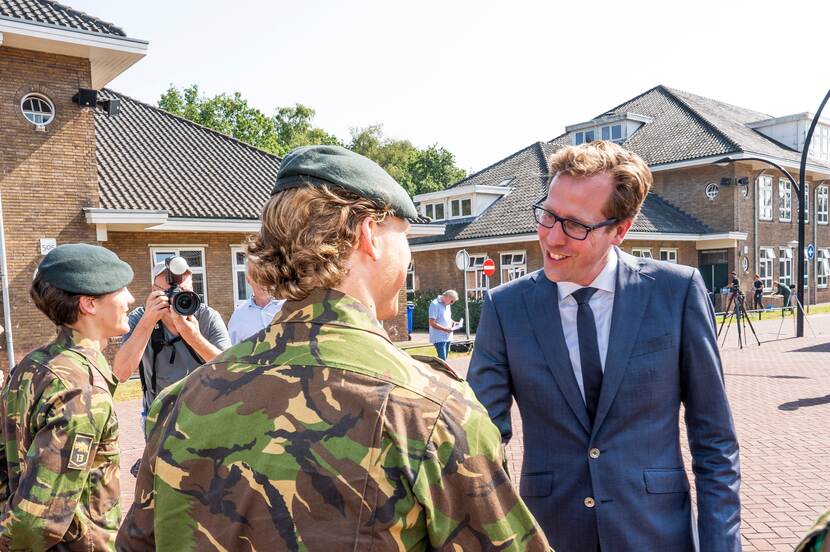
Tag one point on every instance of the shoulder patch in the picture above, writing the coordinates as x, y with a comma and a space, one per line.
81, 447
437, 364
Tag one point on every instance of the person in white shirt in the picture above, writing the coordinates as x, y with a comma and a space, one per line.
254, 314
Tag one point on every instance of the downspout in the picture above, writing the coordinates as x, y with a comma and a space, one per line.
4, 274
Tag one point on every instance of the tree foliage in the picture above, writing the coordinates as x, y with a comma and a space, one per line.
418, 170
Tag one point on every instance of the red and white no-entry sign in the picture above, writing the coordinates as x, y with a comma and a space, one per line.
489, 267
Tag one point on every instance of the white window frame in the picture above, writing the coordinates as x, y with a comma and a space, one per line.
671, 254
458, 205
38, 117
766, 256
806, 202
235, 269
642, 252
764, 197
176, 250
410, 273
512, 269
785, 200
822, 267
822, 204
785, 266
476, 280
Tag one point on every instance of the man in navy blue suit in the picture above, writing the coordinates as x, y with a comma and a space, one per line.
599, 350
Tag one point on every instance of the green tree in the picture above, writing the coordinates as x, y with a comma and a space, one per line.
433, 169
290, 127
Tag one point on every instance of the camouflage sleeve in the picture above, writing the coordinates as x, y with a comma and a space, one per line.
55, 469
466, 494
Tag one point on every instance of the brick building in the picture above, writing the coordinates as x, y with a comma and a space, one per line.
82, 163
740, 215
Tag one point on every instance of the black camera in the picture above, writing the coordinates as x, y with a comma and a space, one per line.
183, 302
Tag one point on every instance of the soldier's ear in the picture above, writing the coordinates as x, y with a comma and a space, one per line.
367, 239
87, 305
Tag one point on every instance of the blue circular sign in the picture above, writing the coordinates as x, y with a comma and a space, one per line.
811, 252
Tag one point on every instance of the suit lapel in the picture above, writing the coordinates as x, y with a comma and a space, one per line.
630, 300
542, 302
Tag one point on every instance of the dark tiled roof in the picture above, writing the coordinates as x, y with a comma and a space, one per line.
52, 13
685, 126
510, 215
150, 159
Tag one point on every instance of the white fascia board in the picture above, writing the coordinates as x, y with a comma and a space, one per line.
421, 230
703, 161
518, 238
208, 225
464, 191
602, 121
115, 217
73, 36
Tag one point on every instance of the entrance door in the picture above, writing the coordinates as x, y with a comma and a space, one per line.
714, 267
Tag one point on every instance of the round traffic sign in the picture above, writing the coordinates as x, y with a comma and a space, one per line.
489, 267
811, 252
462, 260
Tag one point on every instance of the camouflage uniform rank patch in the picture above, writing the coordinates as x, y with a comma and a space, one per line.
80, 451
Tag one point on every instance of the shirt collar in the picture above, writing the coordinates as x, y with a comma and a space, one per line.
252, 303
90, 349
606, 280
330, 307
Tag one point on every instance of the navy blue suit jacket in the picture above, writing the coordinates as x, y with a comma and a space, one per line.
662, 354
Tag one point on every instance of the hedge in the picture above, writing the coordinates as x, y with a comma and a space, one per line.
422, 299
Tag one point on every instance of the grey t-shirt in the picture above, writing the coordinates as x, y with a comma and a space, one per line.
174, 361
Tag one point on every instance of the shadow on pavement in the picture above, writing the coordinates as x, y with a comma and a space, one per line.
820, 348
763, 376
795, 405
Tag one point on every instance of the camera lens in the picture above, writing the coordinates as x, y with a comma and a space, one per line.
186, 303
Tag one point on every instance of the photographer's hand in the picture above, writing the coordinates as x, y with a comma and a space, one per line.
188, 328
156, 306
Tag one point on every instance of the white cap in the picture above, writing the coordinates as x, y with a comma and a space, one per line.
178, 264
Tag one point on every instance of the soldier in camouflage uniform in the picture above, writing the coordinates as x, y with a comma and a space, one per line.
818, 538
318, 433
59, 453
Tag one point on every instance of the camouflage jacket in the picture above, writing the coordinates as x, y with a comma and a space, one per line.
59, 480
318, 433
818, 538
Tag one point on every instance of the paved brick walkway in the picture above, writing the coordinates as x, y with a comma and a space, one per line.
780, 396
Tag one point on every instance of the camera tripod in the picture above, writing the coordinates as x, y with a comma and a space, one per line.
793, 299
736, 309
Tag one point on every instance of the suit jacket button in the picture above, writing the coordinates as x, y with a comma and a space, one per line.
593, 453
589, 502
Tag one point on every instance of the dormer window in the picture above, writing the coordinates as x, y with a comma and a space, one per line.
612, 132
461, 208
615, 127
435, 211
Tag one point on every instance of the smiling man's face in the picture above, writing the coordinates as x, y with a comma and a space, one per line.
581, 199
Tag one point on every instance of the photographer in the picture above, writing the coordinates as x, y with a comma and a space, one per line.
166, 344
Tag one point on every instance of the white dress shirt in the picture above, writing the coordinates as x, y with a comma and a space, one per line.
601, 303
249, 318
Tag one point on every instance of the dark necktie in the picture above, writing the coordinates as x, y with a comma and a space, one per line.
586, 330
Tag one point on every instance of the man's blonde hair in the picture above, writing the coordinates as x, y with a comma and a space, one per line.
307, 235
629, 174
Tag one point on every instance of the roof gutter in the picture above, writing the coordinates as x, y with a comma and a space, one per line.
791, 164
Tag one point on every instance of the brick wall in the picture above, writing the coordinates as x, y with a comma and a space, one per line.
46, 178
685, 189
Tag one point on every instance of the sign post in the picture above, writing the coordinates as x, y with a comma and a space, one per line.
462, 261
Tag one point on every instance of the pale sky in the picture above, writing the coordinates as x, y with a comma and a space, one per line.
482, 79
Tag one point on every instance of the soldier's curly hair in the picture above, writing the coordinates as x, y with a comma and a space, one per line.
307, 235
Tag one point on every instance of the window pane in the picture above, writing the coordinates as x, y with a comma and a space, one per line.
243, 289
589, 135
199, 285
454, 208
616, 132
579, 138
240, 258
429, 211
193, 258
606, 133
439, 211
160, 256
466, 207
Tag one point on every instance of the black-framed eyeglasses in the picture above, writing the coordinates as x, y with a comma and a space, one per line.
573, 229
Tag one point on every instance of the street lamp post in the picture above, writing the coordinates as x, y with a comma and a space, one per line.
802, 198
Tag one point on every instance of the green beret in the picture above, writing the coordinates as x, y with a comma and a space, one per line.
84, 269
338, 166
